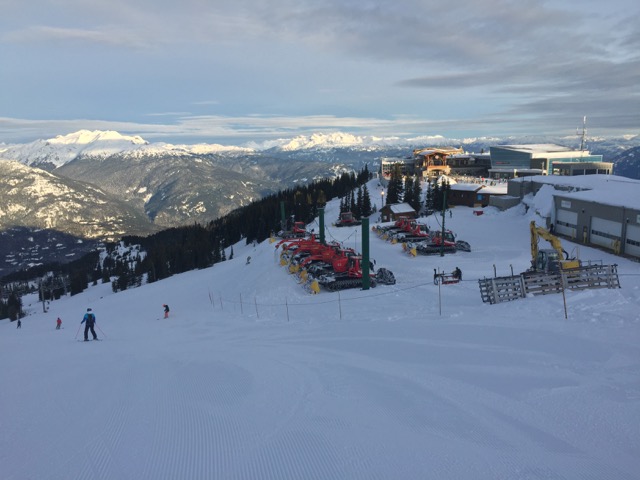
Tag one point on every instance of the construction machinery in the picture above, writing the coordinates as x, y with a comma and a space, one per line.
551, 259
435, 244
293, 230
412, 231
329, 265
347, 273
347, 219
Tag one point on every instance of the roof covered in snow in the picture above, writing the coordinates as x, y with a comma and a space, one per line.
401, 208
604, 189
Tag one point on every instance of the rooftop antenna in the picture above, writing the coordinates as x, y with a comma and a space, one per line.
584, 133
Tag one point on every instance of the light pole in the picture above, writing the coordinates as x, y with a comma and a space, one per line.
381, 199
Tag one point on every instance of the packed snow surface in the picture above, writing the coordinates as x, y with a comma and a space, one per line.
251, 377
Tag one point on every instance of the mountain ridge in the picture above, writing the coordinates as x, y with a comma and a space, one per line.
150, 186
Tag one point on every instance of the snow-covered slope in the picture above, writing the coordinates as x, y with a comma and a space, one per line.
253, 378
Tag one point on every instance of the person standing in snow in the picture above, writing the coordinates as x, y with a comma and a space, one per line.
457, 273
89, 321
58, 323
19, 324
166, 310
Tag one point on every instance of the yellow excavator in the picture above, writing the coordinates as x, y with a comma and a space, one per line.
549, 260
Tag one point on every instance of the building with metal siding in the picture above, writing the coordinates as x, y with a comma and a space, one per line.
545, 159
597, 210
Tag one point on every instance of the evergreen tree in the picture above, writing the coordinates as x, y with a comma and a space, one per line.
445, 198
437, 196
321, 199
78, 281
358, 210
428, 198
394, 189
14, 307
408, 190
366, 202
416, 194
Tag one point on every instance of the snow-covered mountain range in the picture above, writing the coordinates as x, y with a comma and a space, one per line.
55, 152
127, 184
58, 151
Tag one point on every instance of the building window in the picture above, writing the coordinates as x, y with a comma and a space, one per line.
604, 234
566, 224
635, 243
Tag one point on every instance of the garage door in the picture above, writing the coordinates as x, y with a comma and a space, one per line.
632, 245
605, 232
566, 223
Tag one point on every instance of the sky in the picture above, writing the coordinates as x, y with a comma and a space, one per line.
237, 71
251, 377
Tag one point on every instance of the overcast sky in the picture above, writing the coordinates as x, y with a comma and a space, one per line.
232, 71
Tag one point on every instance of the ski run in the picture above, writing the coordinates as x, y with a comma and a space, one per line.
251, 377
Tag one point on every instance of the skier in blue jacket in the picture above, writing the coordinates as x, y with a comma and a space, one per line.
90, 320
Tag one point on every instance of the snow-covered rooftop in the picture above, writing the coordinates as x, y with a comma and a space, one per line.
401, 208
605, 189
537, 148
466, 187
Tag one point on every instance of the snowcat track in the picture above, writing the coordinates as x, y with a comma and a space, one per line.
385, 277
434, 250
345, 284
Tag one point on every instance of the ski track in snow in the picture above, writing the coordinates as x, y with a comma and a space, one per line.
361, 385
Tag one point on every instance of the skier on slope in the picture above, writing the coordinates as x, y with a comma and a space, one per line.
166, 310
90, 320
58, 323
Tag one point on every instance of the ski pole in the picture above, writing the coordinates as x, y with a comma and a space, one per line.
79, 327
101, 331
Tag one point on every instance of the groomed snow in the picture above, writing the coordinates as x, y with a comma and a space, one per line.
253, 378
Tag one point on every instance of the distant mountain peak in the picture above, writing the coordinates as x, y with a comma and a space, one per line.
86, 137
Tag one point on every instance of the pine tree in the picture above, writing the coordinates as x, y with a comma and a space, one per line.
437, 196
446, 187
394, 189
408, 190
14, 307
366, 202
358, 211
416, 195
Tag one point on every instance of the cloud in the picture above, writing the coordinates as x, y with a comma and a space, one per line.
233, 129
418, 66
105, 35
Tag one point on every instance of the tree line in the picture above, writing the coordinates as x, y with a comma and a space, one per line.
180, 249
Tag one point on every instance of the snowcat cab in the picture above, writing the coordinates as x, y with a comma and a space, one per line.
347, 220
